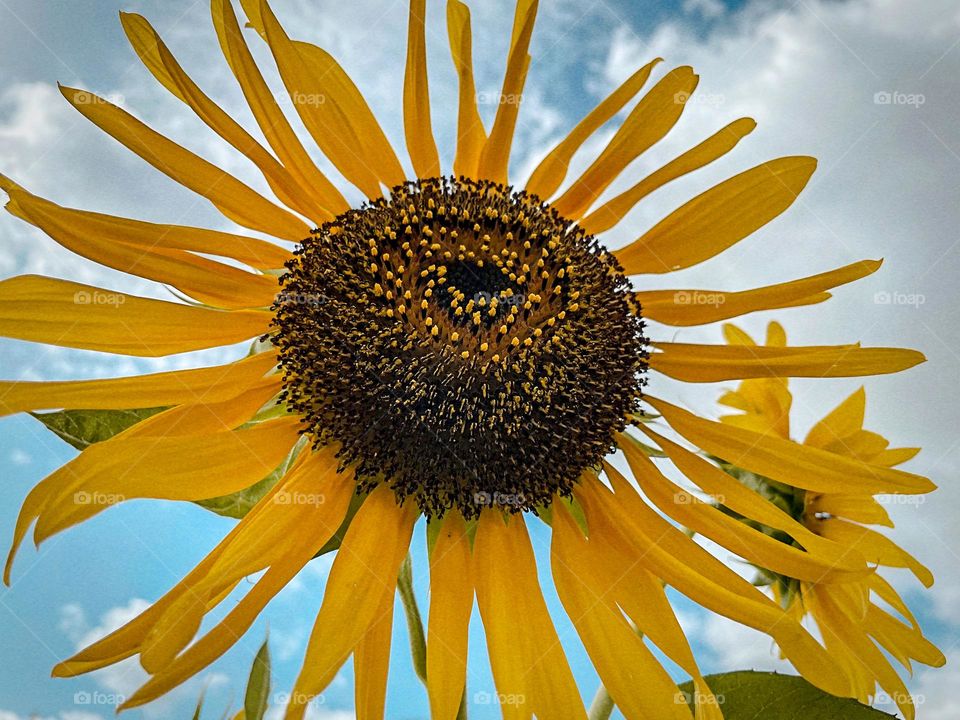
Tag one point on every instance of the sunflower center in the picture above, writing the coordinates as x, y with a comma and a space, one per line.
463, 343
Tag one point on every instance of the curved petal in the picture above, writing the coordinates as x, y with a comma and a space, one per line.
367, 564
207, 281
875, 547
164, 67
652, 118
529, 665
416, 97
495, 157
718, 218
716, 146
789, 462
176, 387
68, 314
687, 307
552, 170
471, 135
451, 603
712, 363
273, 123
371, 662
235, 200
638, 684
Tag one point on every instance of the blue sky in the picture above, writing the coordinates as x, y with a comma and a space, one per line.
808, 71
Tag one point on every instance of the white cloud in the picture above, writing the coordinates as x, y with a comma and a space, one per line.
708, 9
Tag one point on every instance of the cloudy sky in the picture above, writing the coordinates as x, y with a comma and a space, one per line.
869, 87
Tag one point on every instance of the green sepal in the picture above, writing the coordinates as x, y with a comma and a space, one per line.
83, 428
257, 697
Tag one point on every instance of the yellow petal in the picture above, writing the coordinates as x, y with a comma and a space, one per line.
698, 307
274, 125
306, 526
416, 97
719, 218
366, 565
843, 421
451, 603
234, 199
875, 547
207, 281
471, 135
749, 543
550, 173
680, 562
157, 390
255, 253
529, 665
371, 662
716, 146
746, 502
859, 508
495, 156
787, 461
333, 110
692, 362
898, 637
652, 118
165, 68
638, 684
164, 468
68, 314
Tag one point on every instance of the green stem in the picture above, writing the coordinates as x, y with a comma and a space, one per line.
418, 644
602, 705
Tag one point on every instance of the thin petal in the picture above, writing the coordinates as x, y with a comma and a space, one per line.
304, 526
371, 662
698, 307
692, 362
638, 684
741, 499
718, 218
273, 123
366, 565
332, 109
717, 145
787, 461
234, 199
255, 253
165, 68
652, 118
207, 281
550, 173
140, 391
842, 422
471, 135
495, 156
528, 661
68, 314
451, 603
875, 547
416, 97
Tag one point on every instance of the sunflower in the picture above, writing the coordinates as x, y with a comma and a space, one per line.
452, 348
853, 615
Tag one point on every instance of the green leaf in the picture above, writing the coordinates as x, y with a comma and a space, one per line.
196, 713
258, 686
418, 643
752, 695
83, 428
